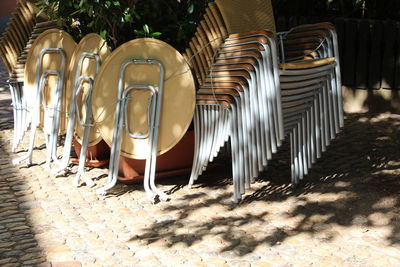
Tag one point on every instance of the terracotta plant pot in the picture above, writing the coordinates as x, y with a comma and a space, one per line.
96, 156
177, 161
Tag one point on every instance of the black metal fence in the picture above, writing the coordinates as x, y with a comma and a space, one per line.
369, 50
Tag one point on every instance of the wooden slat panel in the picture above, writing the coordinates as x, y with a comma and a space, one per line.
363, 49
374, 65
349, 53
388, 57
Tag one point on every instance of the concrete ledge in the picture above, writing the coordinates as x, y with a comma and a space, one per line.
360, 100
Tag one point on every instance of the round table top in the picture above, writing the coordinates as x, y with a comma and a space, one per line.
91, 43
178, 95
52, 38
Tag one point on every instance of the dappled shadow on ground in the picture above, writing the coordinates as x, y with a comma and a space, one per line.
355, 184
18, 230
6, 121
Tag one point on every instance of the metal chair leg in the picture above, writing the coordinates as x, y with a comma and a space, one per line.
121, 116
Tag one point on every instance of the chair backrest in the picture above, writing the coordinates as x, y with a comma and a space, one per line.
247, 15
220, 19
17, 34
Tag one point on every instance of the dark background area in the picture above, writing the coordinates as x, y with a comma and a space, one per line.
330, 9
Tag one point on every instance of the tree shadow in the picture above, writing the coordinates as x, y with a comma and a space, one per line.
18, 243
354, 184
6, 122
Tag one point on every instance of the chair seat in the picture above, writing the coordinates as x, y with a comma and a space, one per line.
306, 64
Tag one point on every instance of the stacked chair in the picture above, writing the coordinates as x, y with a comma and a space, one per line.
22, 29
17, 34
249, 95
16, 83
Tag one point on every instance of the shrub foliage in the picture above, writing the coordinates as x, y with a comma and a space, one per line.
119, 21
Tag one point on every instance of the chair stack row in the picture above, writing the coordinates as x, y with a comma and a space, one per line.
17, 34
247, 97
18, 73
23, 28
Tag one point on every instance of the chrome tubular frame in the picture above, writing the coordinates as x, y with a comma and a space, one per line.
87, 122
121, 118
40, 82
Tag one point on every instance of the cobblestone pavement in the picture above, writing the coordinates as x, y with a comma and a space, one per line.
345, 213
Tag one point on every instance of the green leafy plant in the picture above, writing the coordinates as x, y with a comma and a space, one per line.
118, 21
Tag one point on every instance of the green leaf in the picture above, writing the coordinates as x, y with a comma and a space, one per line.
155, 34
146, 29
139, 34
128, 17
59, 22
190, 8
103, 34
40, 12
75, 12
116, 3
137, 16
90, 11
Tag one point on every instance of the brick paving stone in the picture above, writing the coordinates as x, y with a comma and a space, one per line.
239, 263
15, 264
260, 264
33, 261
216, 262
67, 264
